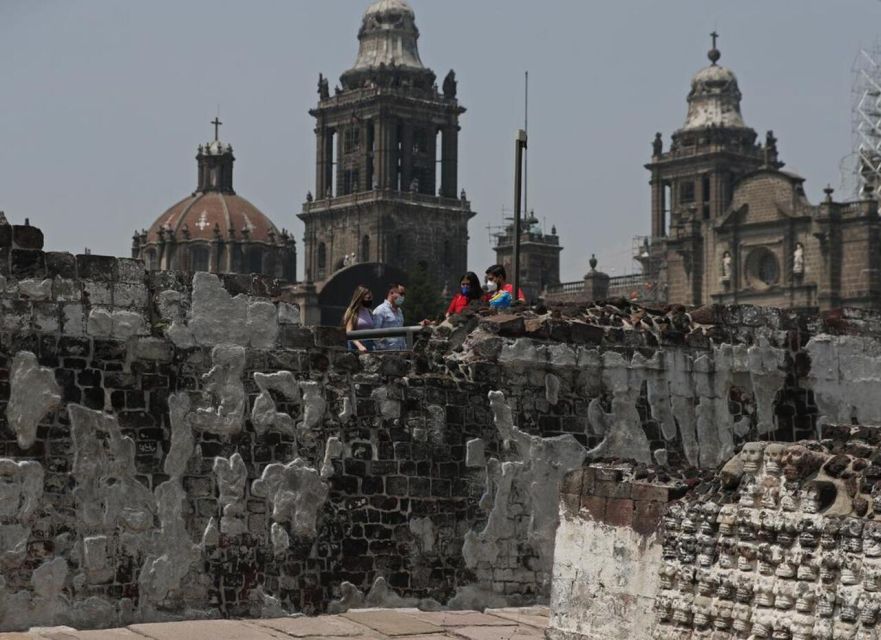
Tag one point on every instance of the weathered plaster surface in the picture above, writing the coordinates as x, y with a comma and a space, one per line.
845, 375
225, 415
296, 492
605, 581
33, 394
536, 471
264, 415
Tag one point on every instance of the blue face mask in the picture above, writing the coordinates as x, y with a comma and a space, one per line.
465, 289
399, 301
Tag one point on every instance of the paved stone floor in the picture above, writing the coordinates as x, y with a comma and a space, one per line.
361, 624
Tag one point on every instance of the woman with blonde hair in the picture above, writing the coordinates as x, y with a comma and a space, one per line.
359, 317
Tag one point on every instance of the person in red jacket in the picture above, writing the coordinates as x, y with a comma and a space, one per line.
469, 291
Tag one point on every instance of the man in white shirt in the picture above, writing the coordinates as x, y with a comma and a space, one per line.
388, 315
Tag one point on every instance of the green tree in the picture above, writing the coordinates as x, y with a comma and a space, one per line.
424, 299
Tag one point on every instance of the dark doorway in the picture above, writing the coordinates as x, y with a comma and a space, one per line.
336, 293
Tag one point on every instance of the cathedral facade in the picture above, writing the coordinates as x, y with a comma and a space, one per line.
386, 179
729, 225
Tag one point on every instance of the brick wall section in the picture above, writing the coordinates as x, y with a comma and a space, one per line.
603, 494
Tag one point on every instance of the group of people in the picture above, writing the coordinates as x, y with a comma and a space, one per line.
361, 314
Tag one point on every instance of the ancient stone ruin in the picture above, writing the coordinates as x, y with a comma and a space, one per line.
180, 446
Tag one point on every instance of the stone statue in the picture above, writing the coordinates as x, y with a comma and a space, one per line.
323, 87
657, 145
726, 266
309, 197
450, 85
771, 153
798, 260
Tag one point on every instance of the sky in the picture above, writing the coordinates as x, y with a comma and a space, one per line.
103, 103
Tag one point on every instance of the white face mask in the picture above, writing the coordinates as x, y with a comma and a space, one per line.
491, 286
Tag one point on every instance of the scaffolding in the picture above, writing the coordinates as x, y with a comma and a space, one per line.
861, 170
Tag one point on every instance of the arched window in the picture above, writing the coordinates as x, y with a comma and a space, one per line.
200, 258
150, 260
322, 260
365, 249
255, 261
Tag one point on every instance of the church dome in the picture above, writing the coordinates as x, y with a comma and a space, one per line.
214, 229
204, 216
714, 100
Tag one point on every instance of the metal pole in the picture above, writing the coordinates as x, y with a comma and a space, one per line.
526, 155
520, 146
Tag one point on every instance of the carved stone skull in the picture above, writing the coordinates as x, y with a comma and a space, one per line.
751, 454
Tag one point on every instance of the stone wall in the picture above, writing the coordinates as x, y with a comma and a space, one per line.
608, 553
175, 446
783, 542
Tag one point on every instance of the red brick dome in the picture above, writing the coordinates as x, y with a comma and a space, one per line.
203, 216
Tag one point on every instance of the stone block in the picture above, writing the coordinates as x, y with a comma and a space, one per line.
64, 290
708, 314
595, 506
15, 315
130, 295
127, 324
572, 483
619, 512
153, 349
588, 481
329, 337
647, 516
295, 337
60, 264
47, 317
72, 319
570, 503
27, 237
98, 268
288, 314
98, 292
236, 283
504, 324
130, 271
27, 263
583, 333
100, 323
650, 492
612, 489
475, 453
35, 289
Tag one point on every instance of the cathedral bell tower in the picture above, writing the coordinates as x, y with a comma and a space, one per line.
386, 179
692, 182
